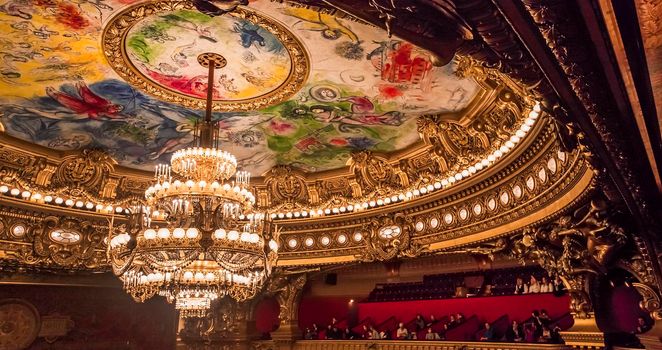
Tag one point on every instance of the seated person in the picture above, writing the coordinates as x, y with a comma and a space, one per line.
459, 318
430, 335
546, 286
373, 334
488, 334
384, 335
402, 332
431, 321
514, 333
451, 322
349, 334
558, 286
534, 286
333, 333
555, 335
308, 334
520, 287
420, 322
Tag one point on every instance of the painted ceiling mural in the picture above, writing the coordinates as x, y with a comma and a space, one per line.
362, 91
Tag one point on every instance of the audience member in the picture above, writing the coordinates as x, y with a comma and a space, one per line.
488, 334
559, 287
546, 335
384, 335
402, 332
534, 286
555, 335
309, 335
350, 335
514, 333
459, 318
642, 325
430, 335
420, 322
451, 322
333, 333
432, 321
316, 331
520, 287
546, 286
374, 335
537, 324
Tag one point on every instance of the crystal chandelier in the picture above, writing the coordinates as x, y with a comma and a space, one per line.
197, 238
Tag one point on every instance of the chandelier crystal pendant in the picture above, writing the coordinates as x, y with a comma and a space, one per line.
197, 238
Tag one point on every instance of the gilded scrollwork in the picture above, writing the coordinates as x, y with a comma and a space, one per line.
576, 247
372, 172
287, 288
286, 185
389, 237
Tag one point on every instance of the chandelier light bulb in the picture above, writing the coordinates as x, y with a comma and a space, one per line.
15, 192
163, 233
192, 233
149, 233
178, 232
4, 189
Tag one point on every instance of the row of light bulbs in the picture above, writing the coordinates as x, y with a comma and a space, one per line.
507, 146
59, 201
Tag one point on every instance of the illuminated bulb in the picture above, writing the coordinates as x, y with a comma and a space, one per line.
118, 209
417, 192
4, 189
149, 234
245, 237
430, 187
350, 207
423, 190
15, 191
178, 232
529, 121
48, 199
503, 149
458, 176
288, 215
281, 215
510, 144
69, 202
394, 198
26, 194
401, 196
465, 173
364, 205
520, 133
491, 158
451, 179
220, 234
79, 204
202, 184
192, 232
304, 213
537, 107
233, 235
409, 194
533, 114
163, 233
472, 169
273, 215
444, 182
319, 211
36, 196
199, 276
380, 202
437, 185
327, 211
108, 208
297, 214
210, 276
335, 210
190, 183
525, 128
188, 275
372, 203
498, 153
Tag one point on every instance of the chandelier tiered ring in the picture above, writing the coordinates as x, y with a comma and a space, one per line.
197, 237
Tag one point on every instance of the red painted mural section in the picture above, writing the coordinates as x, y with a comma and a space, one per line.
103, 318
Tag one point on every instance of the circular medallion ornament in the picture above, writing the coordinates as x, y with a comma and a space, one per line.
160, 47
19, 324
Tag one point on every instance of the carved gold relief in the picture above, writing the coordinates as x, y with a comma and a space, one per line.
389, 237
